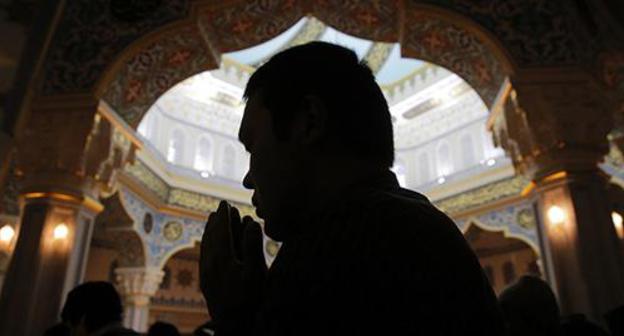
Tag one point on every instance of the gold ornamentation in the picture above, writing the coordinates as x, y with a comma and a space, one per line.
180, 197
482, 195
614, 157
526, 219
191, 200
204, 203
377, 55
144, 175
272, 247
553, 120
173, 231
311, 31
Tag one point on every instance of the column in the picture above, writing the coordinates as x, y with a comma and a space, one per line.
59, 161
48, 260
137, 285
554, 126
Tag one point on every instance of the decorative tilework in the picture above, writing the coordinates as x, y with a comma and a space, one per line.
158, 247
516, 221
373, 20
145, 176
438, 41
158, 67
246, 23
89, 38
535, 32
482, 195
92, 33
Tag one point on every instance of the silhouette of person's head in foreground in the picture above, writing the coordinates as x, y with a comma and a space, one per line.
579, 325
615, 321
315, 122
59, 329
160, 328
530, 308
94, 308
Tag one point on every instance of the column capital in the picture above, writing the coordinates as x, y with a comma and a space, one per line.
138, 284
553, 121
68, 147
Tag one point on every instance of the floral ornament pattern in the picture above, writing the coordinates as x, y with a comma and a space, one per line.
373, 20
535, 32
92, 34
154, 70
247, 23
89, 38
453, 47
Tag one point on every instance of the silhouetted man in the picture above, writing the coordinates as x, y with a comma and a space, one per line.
360, 255
94, 309
160, 328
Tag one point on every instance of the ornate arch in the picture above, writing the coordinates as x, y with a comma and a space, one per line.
156, 62
505, 230
116, 225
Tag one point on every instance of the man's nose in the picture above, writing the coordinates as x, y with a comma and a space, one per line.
247, 181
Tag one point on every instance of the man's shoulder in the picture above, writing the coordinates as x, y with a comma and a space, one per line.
408, 214
401, 203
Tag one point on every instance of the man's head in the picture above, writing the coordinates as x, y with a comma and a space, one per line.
309, 105
91, 306
160, 328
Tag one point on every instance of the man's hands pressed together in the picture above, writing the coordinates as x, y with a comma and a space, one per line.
232, 269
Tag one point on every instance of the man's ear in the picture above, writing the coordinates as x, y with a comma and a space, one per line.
310, 122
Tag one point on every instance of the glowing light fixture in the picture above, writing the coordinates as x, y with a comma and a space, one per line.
204, 174
617, 222
490, 162
556, 215
61, 231
441, 179
7, 233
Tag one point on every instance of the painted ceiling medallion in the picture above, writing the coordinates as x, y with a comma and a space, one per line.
173, 231
526, 219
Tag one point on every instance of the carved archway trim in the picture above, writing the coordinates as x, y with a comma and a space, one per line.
494, 45
117, 226
138, 76
167, 256
506, 233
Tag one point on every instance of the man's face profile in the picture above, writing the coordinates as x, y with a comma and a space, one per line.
274, 173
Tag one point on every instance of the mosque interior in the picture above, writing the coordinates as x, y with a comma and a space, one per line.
462, 134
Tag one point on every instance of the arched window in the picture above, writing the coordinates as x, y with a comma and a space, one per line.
399, 171
203, 155
228, 163
143, 126
467, 151
148, 126
152, 126
175, 150
509, 272
445, 164
423, 168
